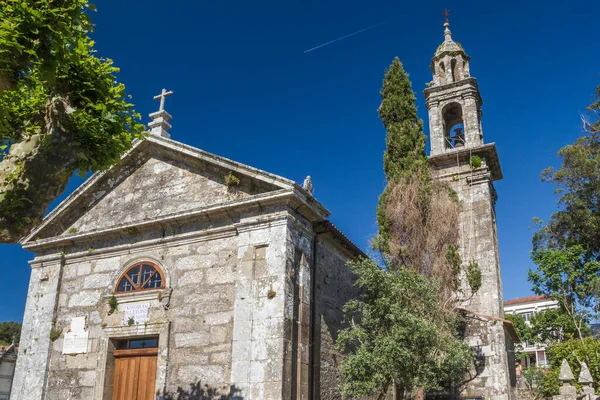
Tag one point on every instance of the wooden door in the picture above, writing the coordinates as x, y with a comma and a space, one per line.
135, 374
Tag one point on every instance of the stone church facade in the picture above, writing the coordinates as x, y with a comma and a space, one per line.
176, 272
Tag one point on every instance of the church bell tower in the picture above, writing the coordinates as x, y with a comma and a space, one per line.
460, 157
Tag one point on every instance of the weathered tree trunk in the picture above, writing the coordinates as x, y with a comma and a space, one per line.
420, 394
35, 171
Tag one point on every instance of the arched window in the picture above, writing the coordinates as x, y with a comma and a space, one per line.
442, 73
453, 66
140, 276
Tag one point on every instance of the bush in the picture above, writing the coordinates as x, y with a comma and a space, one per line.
475, 162
573, 351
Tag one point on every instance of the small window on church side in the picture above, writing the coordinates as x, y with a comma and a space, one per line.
141, 276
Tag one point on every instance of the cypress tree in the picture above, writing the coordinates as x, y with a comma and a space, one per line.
405, 142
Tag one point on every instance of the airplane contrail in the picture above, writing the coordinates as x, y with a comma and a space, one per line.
347, 36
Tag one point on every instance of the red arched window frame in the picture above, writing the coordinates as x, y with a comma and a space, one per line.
139, 277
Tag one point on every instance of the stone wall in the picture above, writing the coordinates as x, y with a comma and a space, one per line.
334, 287
490, 378
223, 327
259, 331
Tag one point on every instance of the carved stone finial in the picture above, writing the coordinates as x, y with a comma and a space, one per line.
566, 391
307, 185
585, 376
565, 375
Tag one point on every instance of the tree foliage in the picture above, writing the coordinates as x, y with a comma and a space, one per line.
404, 156
568, 277
417, 218
574, 351
556, 325
405, 330
578, 184
9, 331
400, 334
61, 108
423, 236
550, 326
523, 330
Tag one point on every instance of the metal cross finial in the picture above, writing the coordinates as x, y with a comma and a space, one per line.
446, 13
162, 97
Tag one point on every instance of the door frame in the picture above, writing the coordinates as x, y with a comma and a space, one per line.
106, 355
135, 352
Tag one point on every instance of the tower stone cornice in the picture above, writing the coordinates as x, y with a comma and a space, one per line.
464, 88
487, 153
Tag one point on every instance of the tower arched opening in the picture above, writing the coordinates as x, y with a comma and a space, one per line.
442, 74
454, 128
454, 68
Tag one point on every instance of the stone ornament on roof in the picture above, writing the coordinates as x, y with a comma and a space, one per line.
160, 119
307, 185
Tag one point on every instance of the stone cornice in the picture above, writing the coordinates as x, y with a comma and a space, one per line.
487, 151
313, 210
468, 86
339, 237
124, 249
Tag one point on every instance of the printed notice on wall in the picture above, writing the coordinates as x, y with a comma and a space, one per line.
76, 339
138, 313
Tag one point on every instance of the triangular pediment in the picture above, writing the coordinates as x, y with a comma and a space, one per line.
157, 178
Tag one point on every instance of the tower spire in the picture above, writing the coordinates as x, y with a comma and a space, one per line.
447, 33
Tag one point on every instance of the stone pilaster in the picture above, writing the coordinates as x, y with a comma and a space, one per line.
31, 372
259, 339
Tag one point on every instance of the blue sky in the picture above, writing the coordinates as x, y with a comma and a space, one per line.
245, 89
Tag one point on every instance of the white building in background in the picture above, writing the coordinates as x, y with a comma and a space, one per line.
527, 306
8, 359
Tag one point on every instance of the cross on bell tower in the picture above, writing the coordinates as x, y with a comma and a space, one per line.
160, 119
446, 14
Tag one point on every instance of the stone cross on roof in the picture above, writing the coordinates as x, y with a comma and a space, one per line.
164, 94
160, 119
